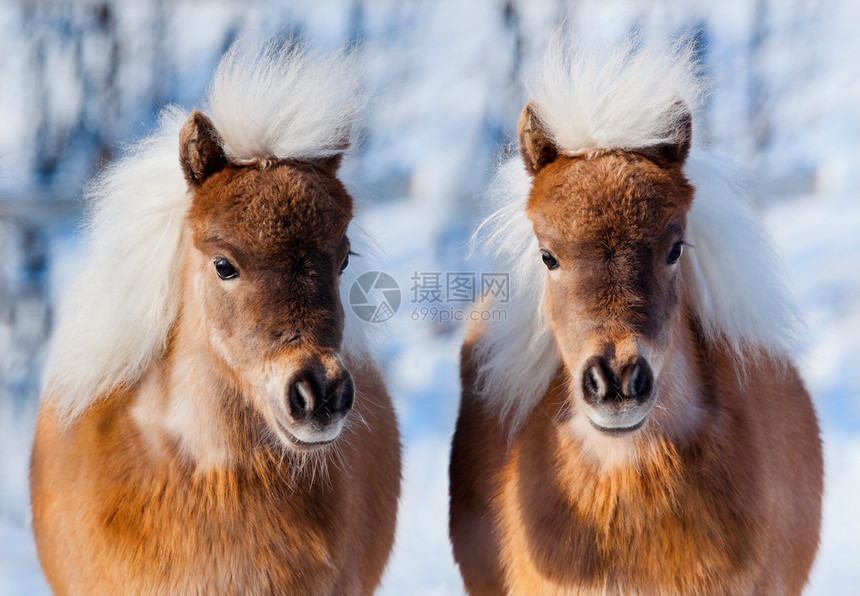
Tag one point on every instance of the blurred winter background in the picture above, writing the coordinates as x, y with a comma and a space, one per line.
78, 80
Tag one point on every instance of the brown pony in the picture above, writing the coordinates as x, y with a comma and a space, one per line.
209, 426
635, 426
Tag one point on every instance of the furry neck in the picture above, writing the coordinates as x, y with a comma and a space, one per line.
182, 403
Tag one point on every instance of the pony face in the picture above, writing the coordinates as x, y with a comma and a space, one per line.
611, 231
268, 245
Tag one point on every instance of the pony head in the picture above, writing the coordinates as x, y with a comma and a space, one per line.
267, 247
611, 227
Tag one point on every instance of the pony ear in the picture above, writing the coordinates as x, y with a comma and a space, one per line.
329, 165
536, 145
200, 150
675, 152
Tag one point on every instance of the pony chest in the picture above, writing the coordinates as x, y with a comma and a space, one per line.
650, 531
221, 529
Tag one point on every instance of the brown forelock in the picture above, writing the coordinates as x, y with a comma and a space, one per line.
608, 218
284, 228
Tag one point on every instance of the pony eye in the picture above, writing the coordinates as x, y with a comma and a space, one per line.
548, 260
345, 263
675, 253
225, 268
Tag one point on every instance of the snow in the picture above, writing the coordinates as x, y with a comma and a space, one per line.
19, 568
818, 238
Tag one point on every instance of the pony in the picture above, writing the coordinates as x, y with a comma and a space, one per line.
636, 425
213, 422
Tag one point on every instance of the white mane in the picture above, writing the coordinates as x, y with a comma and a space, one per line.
623, 99
116, 316
732, 280
517, 357
285, 102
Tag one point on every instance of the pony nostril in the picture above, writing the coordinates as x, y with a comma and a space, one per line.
340, 396
347, 395
590, 381
640, 381
301, 399
637, 381
593, 385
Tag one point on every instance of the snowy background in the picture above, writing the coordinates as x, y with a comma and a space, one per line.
79, 80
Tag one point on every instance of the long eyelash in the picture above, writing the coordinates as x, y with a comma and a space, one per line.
353, 254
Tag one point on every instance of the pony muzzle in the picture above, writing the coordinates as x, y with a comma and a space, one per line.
617, 398
316, 400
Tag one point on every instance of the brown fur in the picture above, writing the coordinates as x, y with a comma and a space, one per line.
719, 492
179, 483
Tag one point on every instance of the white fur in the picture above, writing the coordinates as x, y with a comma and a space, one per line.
732, 281
622, 99
117, 314
118, 310
732, 275
285, 102
517, 357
